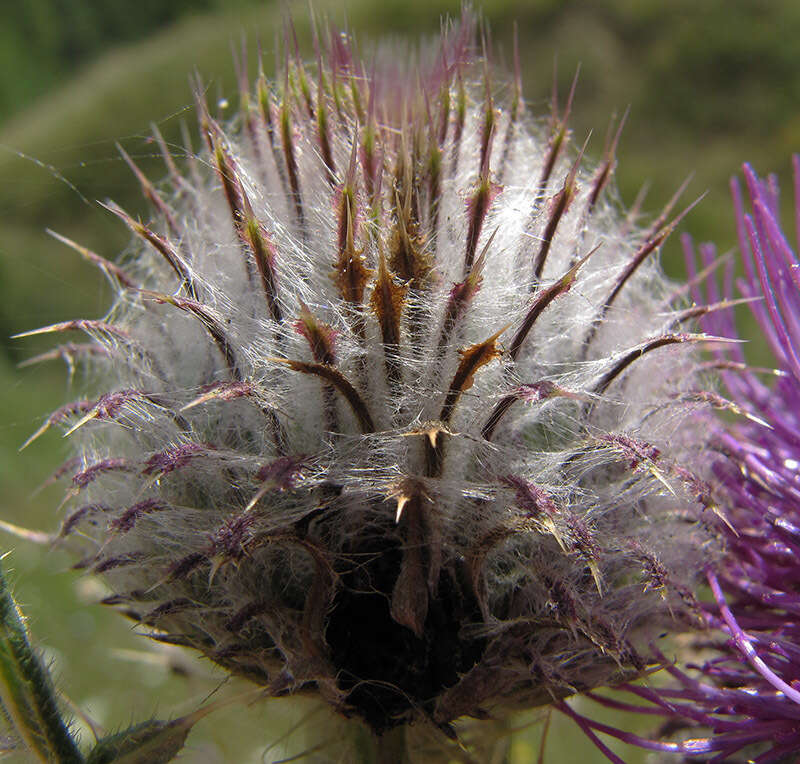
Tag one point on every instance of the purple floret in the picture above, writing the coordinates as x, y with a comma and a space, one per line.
743, 702
757, 591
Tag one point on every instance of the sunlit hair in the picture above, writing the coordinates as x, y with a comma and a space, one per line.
393, 404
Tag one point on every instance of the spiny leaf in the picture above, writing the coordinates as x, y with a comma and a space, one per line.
110, 269
26, 690
332, 375
320, 336
351, 274
170, 254
264, 254
559, 206
387, 301
478, 206
151, 742
543, 298
472, 358
407, 255
207, 319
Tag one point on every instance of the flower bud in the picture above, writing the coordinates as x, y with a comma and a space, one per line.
393, 403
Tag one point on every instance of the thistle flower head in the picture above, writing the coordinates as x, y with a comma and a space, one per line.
755, 674
743, 698
392, 401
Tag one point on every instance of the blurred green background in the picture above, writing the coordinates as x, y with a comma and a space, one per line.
710, 84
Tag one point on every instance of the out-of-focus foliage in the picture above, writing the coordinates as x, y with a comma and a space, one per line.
42, 42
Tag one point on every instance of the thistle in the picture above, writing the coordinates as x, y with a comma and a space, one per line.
393, 405
743, 699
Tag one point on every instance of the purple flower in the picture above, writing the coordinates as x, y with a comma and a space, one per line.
741, 697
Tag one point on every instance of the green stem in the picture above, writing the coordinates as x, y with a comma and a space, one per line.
27, 692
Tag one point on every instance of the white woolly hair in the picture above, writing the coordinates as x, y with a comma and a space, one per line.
393, 402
